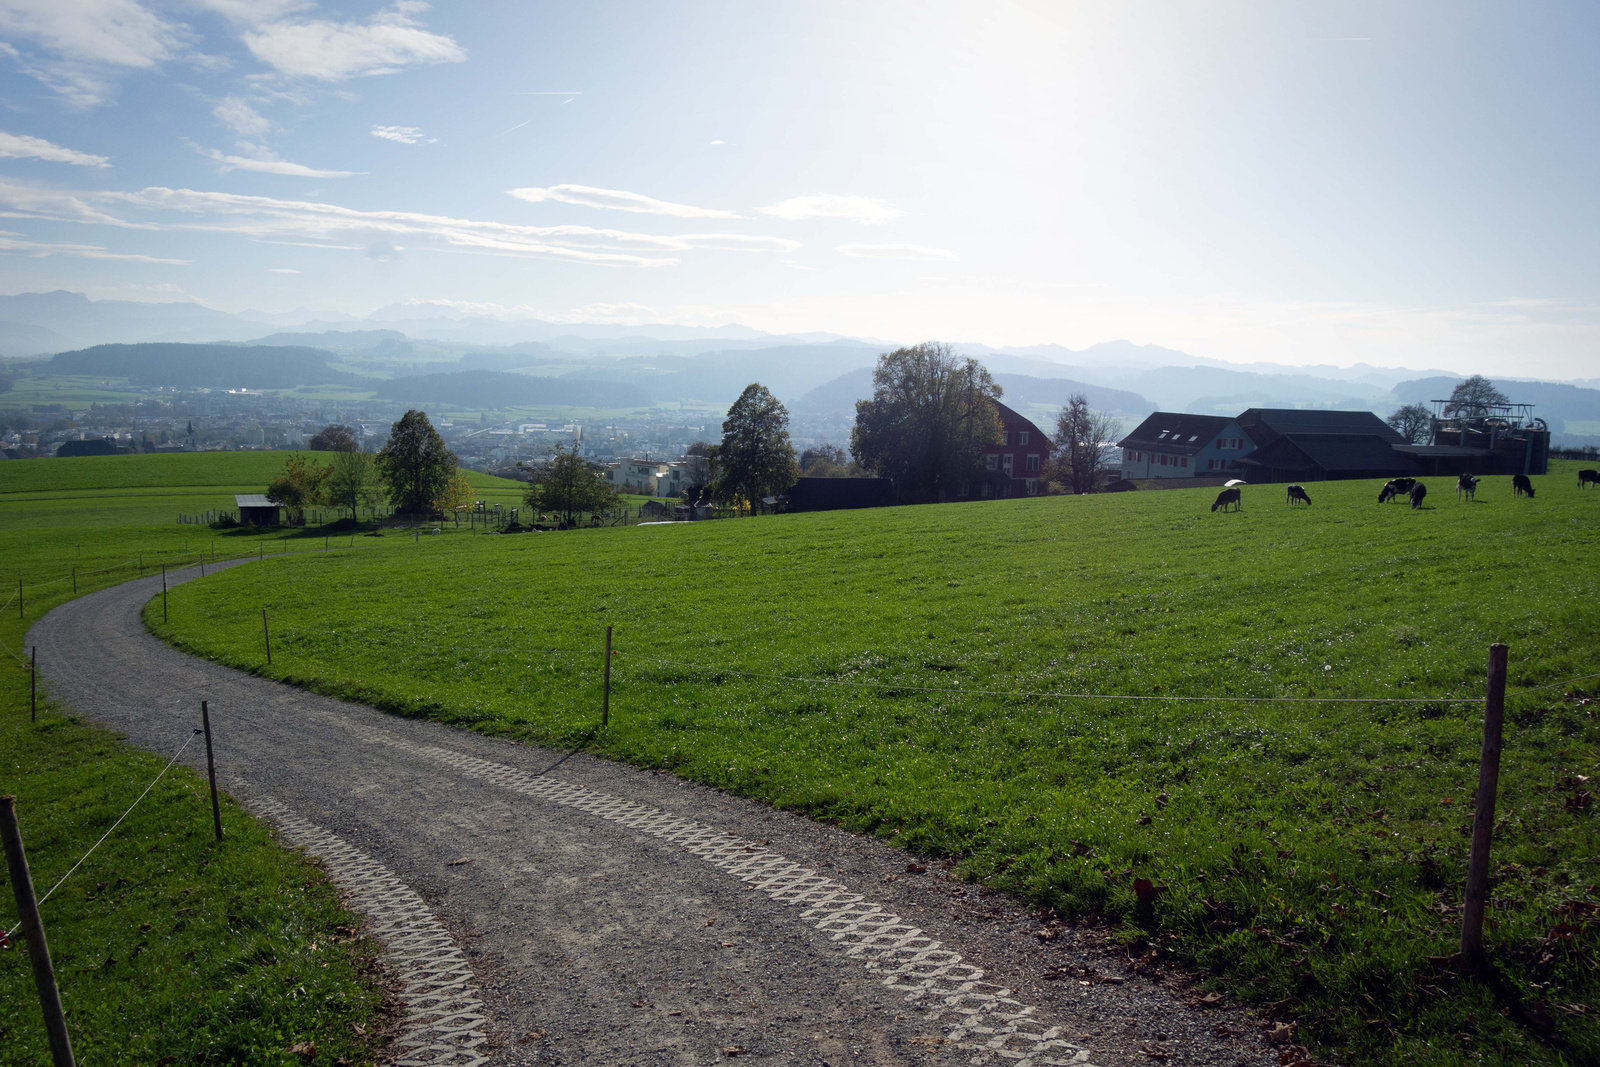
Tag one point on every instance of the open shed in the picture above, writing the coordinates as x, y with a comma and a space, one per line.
255, 509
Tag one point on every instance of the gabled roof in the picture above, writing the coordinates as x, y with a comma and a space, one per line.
1009, 417
1175, 431
1333, 453
252, 500
1266, 425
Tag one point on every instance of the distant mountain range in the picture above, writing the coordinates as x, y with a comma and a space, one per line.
407, 350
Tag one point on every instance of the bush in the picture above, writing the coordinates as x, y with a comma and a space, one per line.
226, 522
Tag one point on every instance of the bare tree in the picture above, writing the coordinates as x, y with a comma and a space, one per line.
1413, 422
1474, 397
1080, 433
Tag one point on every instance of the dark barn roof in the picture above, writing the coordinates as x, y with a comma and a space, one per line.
1266, 425
828, 494
1314, 457
103, 446
1174, 431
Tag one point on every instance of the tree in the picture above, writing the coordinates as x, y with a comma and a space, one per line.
755, 458
1413, 422
1474, 398
353, 482
299, 486
929, 419
1080, 433
415, 463
828, 461
569, 485
333, 438
456, 493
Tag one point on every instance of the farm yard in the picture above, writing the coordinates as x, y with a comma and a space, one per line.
1247, 741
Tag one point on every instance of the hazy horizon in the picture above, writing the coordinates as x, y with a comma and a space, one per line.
1296, 185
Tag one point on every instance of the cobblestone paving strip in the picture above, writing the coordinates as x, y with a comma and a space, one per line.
980, 1018
444, 1021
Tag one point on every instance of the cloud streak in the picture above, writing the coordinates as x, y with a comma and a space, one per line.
617, 200
72, 45
15, 244
267, 163
325, 50
21, 146
917, 253
402, 134
863, 209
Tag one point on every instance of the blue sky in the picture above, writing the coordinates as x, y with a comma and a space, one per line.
1409, 185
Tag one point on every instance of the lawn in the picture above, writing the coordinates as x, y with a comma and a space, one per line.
1050, 693
166, 944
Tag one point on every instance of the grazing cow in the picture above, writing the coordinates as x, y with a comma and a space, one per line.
1395, 487
1298, 493
1418, 492
1467, 486
1520, 486
1226, 497
1587, 477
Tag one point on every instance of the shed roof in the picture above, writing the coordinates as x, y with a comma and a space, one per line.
1334, 453
1175, 431
252, 500
1265, 425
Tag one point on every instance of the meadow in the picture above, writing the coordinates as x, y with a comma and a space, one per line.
166, 943
1246, 742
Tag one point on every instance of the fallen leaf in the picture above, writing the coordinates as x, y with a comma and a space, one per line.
1281, 1034
735, 1050
459, 862
538, 1033
1146, 890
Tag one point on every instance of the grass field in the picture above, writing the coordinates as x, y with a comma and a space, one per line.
901, 671
166, 944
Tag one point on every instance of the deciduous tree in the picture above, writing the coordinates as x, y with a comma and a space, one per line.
333, 438
569, 485
829, 461
1080, 434
1474, 398
755, 458
1413, 422
929, 419
456, 493
299, 486
415, 463
353, 482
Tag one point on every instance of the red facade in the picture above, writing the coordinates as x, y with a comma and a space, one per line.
1014, 467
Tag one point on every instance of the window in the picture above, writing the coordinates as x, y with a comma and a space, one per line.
1005, 437
1220, 444
1033, 463
1006, 463
1184, 462
1022, 437
1163, 461
991, 462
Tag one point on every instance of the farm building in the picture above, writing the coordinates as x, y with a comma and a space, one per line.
1301, 445
255, 509
1501, 439
99, 446
1015, 466
831, 494
1172, 444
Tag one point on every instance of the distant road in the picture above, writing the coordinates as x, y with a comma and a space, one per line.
617, 916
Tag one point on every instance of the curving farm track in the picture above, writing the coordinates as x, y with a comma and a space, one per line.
542, 909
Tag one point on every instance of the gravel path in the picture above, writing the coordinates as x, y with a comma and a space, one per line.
609, 915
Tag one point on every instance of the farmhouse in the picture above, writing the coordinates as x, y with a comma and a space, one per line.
1015, 466
1172, 444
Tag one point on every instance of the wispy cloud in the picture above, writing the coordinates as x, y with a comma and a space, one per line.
617, 200
863, 209
72, 46
21, 146
236, 113
796, 265
402, 134
919, 253
334, 51
267, 163
15, 244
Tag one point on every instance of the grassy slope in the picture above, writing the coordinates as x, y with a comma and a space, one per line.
248, 952
1310, 852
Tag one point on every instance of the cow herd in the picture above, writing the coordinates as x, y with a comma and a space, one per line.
1409, 489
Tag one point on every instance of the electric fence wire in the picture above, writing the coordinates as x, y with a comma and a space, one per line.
113, 828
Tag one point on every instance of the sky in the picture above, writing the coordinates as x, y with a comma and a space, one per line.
1407, 185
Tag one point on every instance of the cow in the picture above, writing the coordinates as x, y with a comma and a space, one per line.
1395, 487
1418, 492
1520, 486
1226, 497
1467, 486
1298, 493
1587, 477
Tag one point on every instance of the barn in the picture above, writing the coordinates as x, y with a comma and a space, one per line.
255, 509
830, 494
1307, 445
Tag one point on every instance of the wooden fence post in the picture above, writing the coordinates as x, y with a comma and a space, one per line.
211, 769
266, 636
74, 581
605, 697
1494, 709
44, 976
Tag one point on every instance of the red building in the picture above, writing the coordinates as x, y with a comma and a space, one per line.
1015, 466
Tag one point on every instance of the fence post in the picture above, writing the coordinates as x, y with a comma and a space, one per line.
202, 564
605, 697
163, 592
33, 684
266, 636
211, 769
74, 581
1494, 708
44, 977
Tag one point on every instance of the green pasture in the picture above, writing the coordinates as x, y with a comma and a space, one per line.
166, 944
1050, 693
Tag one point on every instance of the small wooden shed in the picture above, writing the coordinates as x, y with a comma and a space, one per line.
255, 509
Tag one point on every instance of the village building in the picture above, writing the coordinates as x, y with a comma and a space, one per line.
1171, 444
1014, 466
